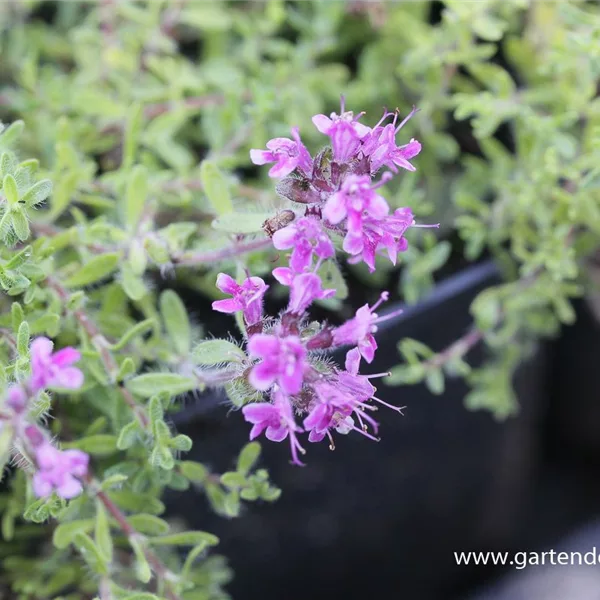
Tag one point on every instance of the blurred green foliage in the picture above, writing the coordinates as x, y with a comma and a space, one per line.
140, 116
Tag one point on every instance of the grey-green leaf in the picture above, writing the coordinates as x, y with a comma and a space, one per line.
176, 321
154, 383
238, 222
212, 352
216, 188
95, 269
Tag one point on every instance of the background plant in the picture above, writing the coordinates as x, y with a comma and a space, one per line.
141, 116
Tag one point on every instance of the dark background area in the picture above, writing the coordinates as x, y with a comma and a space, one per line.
383, 519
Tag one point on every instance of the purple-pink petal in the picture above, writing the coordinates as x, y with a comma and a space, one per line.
277, 434
227, 284
261, 157
70, 378
262, 376
322, 123
66, 357
284, 275
263, 345
229, 305
69, 487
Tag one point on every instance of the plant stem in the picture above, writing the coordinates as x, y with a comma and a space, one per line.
458, 348
190, 259
161, 571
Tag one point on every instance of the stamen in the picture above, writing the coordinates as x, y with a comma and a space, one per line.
389, 316
386, 114
396, 408
367, 434
385, 177
383, 298
435, 225
407, 118
331, 442
377, 375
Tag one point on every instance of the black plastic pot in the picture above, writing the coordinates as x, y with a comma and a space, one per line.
575, 406
380, 519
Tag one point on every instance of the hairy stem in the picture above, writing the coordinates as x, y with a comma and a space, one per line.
157, 566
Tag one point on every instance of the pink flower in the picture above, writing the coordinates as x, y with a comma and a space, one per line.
277, 419
285, 153
58, 471
387, 232
330, 410
283, 361
247, 297
305, 289
307, 237
344, 130
355, 200
360, 329
53, 369
381, 147
351, 381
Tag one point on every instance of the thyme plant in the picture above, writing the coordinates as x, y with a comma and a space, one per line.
142, 121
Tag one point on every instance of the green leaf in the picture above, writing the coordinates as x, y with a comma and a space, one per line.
194, 471
193, 554
408, 374
100, 445
233, 480
12, 133
136, 502
212, 352
176, 321
133, 128
97, 268
155, 383
38, 193
65, 533
243, 223
23, 338
156, 414
181, 442
149, 524
102, 532
11, 192
19, 258
185, 538
216, 188
435, 381
128, 435
142, 568
136, 196
114, 480
133, 284
91, 553
127, 368
248, 457
20, 225
138, 329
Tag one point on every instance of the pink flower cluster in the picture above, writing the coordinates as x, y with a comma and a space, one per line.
336, 187
285, 365
57, 470
302, 392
